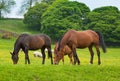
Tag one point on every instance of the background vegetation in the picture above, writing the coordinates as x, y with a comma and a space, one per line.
5, 7
16, 26
56, 18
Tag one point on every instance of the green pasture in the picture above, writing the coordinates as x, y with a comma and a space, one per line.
109, 70
16, 26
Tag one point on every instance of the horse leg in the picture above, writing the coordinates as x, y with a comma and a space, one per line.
98, 53
43, 54
76, 59
70, 57
26, 56
63, 60
50, 53
92, 54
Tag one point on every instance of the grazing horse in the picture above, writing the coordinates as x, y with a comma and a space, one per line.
31, 42
82, 39
65, 51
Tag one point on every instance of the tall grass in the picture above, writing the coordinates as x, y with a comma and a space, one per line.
109, 70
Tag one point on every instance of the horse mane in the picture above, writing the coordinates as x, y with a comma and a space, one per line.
17, 42
20, 36
24, 34
59, 41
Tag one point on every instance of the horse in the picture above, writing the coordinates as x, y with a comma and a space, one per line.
65, 51
28, 42
82, 39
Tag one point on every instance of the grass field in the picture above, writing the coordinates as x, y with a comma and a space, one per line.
16, 26
109, 70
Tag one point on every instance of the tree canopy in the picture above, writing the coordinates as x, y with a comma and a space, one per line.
61, 16
33, 17
106, 20
56, 17
5, 6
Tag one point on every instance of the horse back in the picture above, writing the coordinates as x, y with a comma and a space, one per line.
46, 39
83, 39
32, 42
94, 36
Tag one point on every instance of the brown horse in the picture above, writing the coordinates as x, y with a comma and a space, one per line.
82, 39
31, 42
65, 51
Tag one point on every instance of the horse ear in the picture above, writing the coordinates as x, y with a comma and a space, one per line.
11, 53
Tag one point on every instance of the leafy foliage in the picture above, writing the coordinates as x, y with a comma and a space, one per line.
26, 4
57, 16
33, 17
5, 6
63, 15
106, 20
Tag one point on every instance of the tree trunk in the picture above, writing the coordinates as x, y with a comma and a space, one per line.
0, 14
30, 3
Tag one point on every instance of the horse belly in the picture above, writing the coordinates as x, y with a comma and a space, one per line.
35, 46
84, 44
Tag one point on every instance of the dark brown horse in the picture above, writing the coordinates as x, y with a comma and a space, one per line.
82, 39
65, 51
31, 42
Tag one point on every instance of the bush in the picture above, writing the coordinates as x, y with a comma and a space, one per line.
6, 36
33, 17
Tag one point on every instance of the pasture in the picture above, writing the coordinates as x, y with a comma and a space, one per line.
109, 70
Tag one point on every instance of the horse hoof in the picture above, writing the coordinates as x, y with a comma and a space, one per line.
99, 64
90, 63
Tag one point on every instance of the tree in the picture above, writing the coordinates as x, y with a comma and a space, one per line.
33, 17
26, 4
61, 16
5, 6
106, 20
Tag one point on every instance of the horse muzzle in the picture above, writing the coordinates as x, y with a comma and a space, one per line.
55, 63
14, 62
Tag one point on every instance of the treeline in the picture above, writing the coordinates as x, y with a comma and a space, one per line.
57, 16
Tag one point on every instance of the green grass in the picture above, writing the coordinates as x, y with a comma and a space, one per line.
16, 26
109, 70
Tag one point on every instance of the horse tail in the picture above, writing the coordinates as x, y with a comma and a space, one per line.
101, 40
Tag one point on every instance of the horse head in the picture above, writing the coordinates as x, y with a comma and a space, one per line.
58, 55
14, 57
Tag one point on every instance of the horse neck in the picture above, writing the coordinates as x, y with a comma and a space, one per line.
16, 48
64, 40
17, 44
